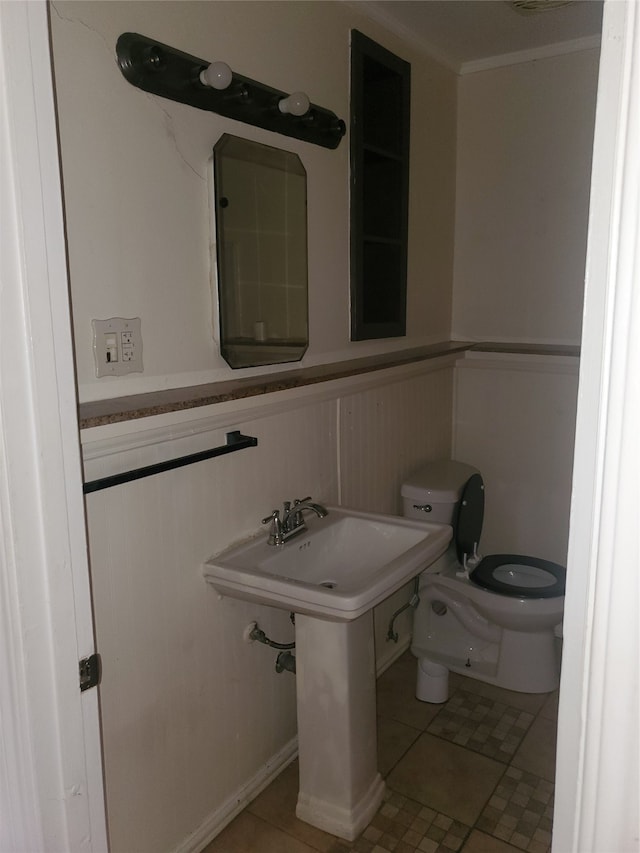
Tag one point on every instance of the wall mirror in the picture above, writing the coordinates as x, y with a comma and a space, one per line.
261, 225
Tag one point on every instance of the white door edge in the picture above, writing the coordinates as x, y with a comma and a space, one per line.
598, 754
51, 788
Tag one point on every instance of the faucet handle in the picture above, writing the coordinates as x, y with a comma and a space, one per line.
295, 518
275, 531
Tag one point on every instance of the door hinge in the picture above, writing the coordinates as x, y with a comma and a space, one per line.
90, 672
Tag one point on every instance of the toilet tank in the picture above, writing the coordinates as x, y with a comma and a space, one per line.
432, 492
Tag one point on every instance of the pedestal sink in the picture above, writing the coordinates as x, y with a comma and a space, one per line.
331, 576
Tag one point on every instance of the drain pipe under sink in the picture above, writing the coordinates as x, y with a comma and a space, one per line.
285, 660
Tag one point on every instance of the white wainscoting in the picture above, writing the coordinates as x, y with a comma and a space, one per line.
216, 821
385, 433
191, 713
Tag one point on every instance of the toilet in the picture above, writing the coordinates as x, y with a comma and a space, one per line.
494, 618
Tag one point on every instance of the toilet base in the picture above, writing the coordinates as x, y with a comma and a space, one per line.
432, 683
526, 663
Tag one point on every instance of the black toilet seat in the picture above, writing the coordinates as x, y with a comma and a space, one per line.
467, 531
484, 575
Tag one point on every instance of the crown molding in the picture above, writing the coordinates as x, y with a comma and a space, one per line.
373, 12
546, 51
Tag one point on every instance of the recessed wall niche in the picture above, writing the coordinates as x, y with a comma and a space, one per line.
380, 124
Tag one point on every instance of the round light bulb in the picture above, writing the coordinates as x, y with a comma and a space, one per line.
218, 76
297, 104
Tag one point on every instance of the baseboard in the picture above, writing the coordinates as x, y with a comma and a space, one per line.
233, 805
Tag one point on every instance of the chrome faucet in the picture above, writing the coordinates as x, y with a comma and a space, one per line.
292, 522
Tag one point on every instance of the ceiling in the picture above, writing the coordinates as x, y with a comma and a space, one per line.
468, 35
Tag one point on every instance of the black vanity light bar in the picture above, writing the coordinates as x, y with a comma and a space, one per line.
235, 441
165, 71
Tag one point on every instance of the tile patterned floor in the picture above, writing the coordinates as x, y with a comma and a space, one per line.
474, 775
404, 826
520, 811
488, 727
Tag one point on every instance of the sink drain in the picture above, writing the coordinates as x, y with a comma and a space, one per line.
329, 584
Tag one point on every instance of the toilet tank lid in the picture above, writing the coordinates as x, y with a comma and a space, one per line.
439, 482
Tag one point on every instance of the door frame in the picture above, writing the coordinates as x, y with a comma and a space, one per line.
598, 754
51, 789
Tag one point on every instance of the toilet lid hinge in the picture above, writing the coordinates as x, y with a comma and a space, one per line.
469, 563
465, 568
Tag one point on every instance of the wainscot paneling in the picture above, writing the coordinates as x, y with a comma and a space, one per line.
385, 433
195, 720
190, 711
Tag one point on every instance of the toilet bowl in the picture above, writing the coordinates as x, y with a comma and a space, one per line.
491, 618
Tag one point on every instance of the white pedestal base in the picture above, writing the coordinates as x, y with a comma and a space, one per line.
340, 787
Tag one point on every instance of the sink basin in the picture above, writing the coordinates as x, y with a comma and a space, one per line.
342, 566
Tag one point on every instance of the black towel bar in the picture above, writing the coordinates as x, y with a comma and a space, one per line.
235, 441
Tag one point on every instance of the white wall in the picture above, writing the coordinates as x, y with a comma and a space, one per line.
515, 421
137, 168
525, 137
193, 718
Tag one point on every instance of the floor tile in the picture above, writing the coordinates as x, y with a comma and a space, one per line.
537, 753
520, 811
394, 739
531, 702
446, 777
482, 724
396, 696
277, 805
249, 834
403, 825
478, 842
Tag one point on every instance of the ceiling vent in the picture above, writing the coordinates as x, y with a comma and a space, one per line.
532, 7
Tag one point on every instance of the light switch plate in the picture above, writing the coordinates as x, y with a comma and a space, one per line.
117, 346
